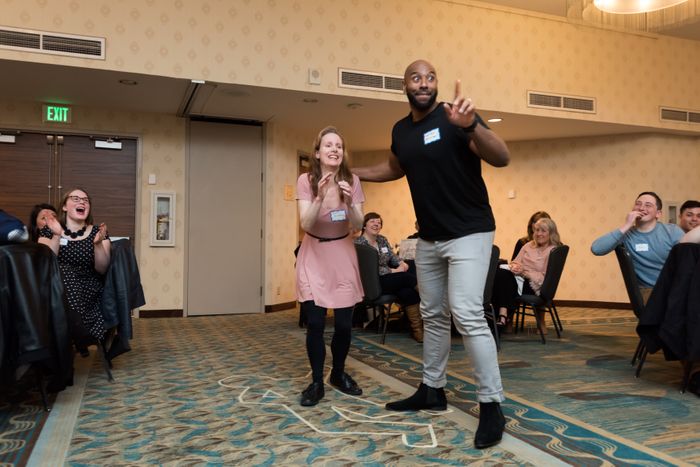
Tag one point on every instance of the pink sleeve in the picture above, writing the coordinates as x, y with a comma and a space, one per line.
538, 276
357, 195
304, 191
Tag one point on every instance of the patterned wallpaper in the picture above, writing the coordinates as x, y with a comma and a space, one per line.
497, 53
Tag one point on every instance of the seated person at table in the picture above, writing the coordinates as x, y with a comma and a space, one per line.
83, 251
689, 218
528, 238
393, 273
37, 219
525, 274
647, 240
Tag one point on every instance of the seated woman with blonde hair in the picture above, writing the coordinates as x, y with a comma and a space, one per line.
525, 274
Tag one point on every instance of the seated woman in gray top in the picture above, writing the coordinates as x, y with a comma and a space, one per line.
394, 276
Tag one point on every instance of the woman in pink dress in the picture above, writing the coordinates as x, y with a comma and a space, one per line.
330, 204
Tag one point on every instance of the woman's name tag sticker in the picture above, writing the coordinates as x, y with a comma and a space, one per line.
338, 216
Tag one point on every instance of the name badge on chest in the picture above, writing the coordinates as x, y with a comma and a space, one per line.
384, 250
338, 215
63, 241
431, 136
641, 247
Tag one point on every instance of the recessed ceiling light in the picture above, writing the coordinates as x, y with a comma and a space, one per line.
354, 105
128, 82
494, 120
309, 100
198, 81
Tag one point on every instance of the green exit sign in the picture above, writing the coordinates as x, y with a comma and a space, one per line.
57, 113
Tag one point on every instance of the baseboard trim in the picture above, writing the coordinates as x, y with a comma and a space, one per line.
160, 313
280, 307
593, 304
178, 313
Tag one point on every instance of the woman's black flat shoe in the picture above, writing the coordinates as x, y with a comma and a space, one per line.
312, 394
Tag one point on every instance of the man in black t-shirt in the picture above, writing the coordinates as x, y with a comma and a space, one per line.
439, 148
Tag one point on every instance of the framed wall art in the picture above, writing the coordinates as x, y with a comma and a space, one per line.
162, 218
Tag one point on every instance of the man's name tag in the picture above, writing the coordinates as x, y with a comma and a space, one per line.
338, 216
431, 136
63, 241
641, 247
384, 249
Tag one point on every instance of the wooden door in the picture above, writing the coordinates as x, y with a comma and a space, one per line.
108, 175
25, 174
40, 168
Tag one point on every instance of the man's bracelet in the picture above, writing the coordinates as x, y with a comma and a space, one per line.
472, 127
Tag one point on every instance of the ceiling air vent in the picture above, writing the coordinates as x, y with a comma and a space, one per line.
668, 114
674, 115
367, 80
560, 102
26, 40
52, 43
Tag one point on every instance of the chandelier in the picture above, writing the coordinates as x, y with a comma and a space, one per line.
637, 15
627, 7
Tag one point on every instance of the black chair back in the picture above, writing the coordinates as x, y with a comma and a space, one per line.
630, 279
491, 276
368, 262
489, 312
555, 267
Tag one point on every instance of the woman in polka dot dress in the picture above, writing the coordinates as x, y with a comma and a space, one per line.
83, 251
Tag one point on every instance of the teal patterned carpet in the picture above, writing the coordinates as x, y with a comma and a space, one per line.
224, 391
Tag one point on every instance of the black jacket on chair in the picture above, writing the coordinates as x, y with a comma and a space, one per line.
122, 293
33, 324
671, 319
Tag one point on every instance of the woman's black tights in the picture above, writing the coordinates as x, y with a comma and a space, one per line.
316, 348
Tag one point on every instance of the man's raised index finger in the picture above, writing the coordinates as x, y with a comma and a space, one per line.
458, 91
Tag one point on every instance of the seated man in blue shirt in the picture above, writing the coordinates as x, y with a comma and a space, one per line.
648, 240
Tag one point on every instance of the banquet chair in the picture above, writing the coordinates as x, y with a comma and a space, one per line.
368, 261
489, 311
555, 267
632, 285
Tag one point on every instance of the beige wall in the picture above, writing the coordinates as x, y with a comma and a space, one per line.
497, 53
588, 185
